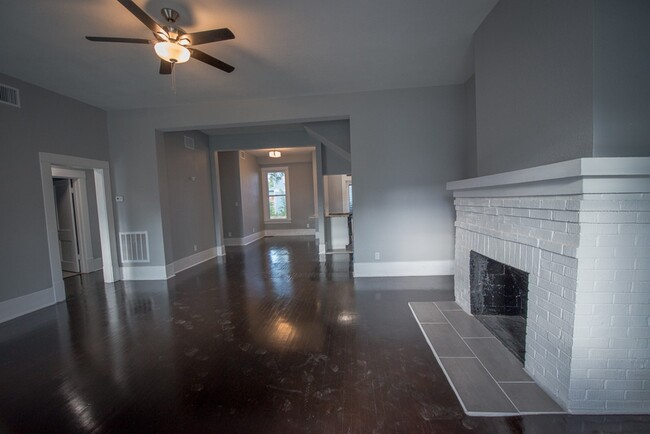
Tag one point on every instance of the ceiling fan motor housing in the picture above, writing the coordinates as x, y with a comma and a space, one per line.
170, 14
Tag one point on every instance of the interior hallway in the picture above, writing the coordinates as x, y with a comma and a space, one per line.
266, 340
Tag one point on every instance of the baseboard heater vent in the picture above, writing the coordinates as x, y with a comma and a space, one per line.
9, 95
134, 247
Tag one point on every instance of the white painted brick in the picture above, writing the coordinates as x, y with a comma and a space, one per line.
564, 328
619, 343
637, 375
612, 286
643, 217
632, 252
623, 240
614, 263
596, 252
609, 332
634, 228
594, 297
623, 385
617, 217
600, 229
569, 216
642, 241
611, 309
641, 395
588, 384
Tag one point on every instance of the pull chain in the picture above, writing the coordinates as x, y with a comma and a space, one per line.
173, 78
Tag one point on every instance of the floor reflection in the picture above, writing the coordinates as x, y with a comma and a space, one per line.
268, 339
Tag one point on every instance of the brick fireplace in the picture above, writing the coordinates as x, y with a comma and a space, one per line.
580, 229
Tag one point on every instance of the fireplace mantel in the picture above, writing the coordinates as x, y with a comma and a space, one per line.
581, 229
580, 176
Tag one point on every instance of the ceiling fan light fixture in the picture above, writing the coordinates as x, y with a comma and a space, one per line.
275, 154
172, 52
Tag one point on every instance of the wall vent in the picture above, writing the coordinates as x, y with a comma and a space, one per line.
9, 95
134, 247
188, 142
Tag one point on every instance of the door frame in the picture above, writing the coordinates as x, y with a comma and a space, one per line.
82, 215
107, 232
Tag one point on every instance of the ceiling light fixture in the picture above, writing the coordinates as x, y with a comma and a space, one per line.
275, 154
172, 52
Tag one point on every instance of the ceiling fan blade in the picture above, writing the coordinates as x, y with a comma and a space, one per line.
125, 40
207, 36
206, 58
141, 15
166, 67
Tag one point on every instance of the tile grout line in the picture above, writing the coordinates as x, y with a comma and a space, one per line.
479, 360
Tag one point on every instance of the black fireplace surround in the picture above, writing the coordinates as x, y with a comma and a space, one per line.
499, 299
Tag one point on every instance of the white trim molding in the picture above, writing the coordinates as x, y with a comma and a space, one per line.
151, 272
15, 307
397, 269
192, 260
579, 176
243, 241
289, 232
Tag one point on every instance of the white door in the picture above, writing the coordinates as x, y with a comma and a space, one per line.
66, 228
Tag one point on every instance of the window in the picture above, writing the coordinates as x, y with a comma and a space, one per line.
275, 182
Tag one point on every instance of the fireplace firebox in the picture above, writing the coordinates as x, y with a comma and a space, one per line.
499, 299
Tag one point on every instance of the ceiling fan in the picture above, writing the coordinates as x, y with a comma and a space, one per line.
172, 44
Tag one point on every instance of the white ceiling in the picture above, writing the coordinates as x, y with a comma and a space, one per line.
281, 48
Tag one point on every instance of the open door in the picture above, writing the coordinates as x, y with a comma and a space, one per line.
66, 225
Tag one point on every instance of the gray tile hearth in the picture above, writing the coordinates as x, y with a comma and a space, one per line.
498, 360
467, 326
446, 340
475, 387
486, 377
427, 312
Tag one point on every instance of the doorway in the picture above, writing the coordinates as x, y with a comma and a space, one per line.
67, 226
99, 171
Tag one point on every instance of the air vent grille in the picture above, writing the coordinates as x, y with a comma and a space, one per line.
134, 247
9, 95
188, 142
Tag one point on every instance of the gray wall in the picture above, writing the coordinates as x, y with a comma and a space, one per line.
337, 133
190, 201
230, 194
251, 195
405, 144
534, 84
46, 122
301, 196
622, 78
471, 169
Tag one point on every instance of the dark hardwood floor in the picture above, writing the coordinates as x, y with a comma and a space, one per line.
268, 340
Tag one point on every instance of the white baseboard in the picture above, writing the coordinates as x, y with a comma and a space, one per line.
145, 273
15, 307
243, 241
94, 264
413, 268
221, 250
267, 233
288, 232
192, 260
